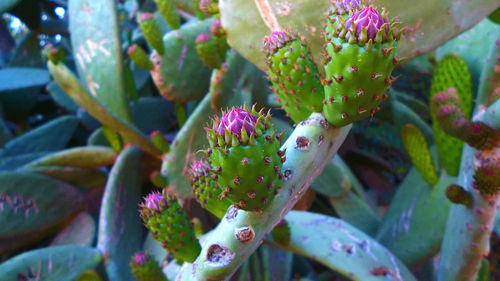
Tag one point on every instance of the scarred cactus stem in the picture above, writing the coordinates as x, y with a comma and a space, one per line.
458, 195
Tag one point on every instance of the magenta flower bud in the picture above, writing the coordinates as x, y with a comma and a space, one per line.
202, 38
346, 4
276, 41
154, 203
140, 258
200, 168
370, 19
234, 121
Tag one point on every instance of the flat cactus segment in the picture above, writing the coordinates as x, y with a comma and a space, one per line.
169, 224
26, 210
342, 248
119, 234
51, 136
63, 76
62, 263
294, 75
416, 146
413, 227
98, 53
81, 231
307, 18
452, 71
139, 57
175, 71
84, 157
169, 13
152, 32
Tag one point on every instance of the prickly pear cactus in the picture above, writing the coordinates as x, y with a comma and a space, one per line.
169, 224
294, 75
246, 157
206, 189
451, 72
145, 268
359, 58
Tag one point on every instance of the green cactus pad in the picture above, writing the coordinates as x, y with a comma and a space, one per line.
416, 146
145, 268
169, 13
357, 69
151, 31
212, 50
139, 57
169, 224
452, 71
293, 74
247, 165
206, 190
175, 72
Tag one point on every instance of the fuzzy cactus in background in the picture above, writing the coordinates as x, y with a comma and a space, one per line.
159, 160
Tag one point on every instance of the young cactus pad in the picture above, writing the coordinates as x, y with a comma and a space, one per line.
145, 268
245, 155
359, 59
293, 74
169, 224
205, 188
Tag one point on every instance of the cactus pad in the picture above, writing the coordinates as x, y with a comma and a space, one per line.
206, 190
294, 75
452, 71
416, 146
359, 59
245, 157
169, 224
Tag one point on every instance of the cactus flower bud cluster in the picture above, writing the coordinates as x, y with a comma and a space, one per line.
169, 224
246, 157
358, 61
145, 268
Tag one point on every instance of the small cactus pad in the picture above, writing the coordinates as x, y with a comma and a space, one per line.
245, 157
458, 195
139, 57
281, 233
205, 188
359, 59
169, 13
169, 224
416, 146
151, 31
452, 71
212, 47
293, 74
54, 54
487, 179
145, 268
450, 118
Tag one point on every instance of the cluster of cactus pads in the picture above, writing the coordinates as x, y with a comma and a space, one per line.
359, 56
211, 180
